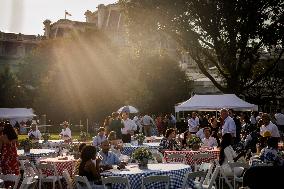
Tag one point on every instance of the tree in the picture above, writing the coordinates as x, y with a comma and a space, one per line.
76, 77
86, 76
12, 94
231, 35
165, 83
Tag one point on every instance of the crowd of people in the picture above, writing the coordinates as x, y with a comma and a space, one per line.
236, 136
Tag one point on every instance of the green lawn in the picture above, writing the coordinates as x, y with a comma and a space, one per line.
52, 136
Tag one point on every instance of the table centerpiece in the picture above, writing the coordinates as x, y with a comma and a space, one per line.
194, 142
142, 155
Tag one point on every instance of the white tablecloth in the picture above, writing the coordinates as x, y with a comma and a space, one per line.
36, 153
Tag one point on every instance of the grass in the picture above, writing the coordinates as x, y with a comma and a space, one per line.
53, 136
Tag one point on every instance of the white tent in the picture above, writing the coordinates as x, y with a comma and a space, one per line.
215, 102
16, 114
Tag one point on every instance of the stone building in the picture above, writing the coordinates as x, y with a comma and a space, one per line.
13, 47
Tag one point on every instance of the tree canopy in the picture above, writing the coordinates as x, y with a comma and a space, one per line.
87, 76
230, 35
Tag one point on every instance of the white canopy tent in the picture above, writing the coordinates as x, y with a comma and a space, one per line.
214, 103
16, 114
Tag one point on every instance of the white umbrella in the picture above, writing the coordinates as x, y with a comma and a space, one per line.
128, 109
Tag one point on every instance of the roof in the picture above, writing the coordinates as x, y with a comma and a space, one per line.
10, 113
215, 102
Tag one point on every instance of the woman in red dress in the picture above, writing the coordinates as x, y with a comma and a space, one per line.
9, 156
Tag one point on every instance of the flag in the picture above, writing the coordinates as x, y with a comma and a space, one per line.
67, 13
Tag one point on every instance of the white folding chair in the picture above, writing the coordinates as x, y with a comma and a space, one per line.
212, 179
235, 165
29, 182
198, 158
68, 179
30, 175
43, 178
159, 157
173, 158
156, 178
197, 178
82, 182
11, 178
29, 168
208, 168
115, 180
222, 177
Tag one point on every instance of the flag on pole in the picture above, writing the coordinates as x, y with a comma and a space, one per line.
67, 14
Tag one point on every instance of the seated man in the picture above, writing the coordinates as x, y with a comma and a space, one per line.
34, 133
271, 154
100, 137
200, 133
108, 158
208, 140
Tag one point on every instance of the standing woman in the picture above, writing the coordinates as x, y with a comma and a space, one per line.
215, 127
9, 156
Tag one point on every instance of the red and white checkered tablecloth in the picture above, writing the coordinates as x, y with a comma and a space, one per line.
61, 164
189, 154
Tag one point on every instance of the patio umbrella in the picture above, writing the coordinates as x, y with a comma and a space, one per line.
128, 109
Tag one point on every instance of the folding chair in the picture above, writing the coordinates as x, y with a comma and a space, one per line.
197, 159
156, 178
235, 165
43, 178
82, 182
11, 178
68, 179
173, 158
115, 180
197, 178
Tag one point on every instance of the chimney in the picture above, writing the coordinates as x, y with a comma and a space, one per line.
101, 15
88, 15
47, 28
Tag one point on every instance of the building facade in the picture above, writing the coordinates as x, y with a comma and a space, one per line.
13, 47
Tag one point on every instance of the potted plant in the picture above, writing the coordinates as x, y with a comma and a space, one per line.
142, 155
74, 150
45, 137
83, 136
194, 142
140, 138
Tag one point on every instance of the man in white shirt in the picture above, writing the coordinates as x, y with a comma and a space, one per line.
100, 137
66, 132
268, 126
34, 133
229, 125
129, 128
259, 116
208, 140
147, 122
279, 120
193, 123
200, 133
138, 121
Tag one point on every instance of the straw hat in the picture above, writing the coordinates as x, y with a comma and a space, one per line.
267, 134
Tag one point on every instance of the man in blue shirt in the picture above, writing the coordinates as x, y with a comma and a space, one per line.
108, 158
100, 137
